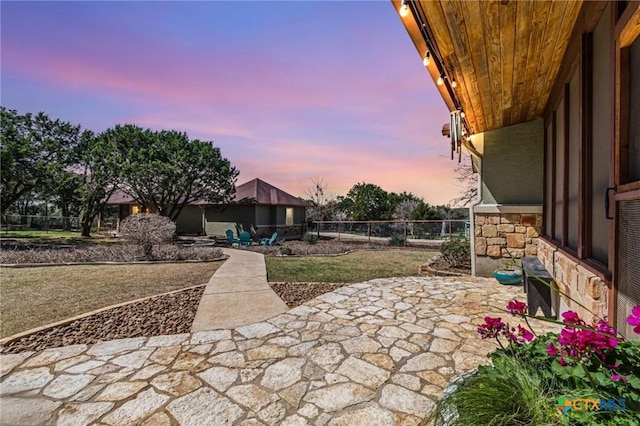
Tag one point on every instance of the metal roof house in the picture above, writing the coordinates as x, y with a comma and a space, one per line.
256, 204
545, 96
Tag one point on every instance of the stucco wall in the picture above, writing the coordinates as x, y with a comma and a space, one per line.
263, 215
243, 214
190, 221
512, 164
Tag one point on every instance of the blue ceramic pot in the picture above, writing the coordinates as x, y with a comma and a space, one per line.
508, 276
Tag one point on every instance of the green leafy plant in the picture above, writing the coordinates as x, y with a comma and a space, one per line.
310, 238
456, 252
285, 250
591, 372
396, 240
506, 393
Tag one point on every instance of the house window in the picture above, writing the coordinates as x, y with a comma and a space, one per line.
627, 167
573, 161
627, 102
577, 149
289, 216
549, 204
560, 171
634, 111
601, 130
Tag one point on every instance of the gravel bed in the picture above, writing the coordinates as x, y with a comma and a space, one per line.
295, 294
167, 314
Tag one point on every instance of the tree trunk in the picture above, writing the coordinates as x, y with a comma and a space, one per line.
66, 223
86, 226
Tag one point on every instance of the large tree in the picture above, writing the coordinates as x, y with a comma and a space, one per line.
424, 211
468, 183
165, 171
34, 149
66, 195
366, 201
317, 197
98, 166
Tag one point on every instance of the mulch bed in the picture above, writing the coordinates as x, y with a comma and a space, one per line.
166, 314
440, 265
296, 294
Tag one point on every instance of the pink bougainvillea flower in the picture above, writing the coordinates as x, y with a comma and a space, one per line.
515, 307
604, 327
617, 377
571, 317
552, 349
525, 335
634, 319
582, 343
492, 327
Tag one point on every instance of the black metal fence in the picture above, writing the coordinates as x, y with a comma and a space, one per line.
408, 229
15, 222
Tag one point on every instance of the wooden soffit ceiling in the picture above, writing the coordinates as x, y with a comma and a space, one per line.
503, 54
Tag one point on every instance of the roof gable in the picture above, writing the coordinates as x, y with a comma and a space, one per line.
255, 191
260, 192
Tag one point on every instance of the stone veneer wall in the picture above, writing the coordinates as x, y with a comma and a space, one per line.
502, 236
284, 231
576, 281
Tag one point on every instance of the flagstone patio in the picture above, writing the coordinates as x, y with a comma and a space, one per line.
373, 353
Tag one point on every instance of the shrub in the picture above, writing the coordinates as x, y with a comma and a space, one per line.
107, 253
586, 374
456, 252
310, 238
396, 240
147, 230
507, 392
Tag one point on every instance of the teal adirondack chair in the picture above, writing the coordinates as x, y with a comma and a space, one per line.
230, 238
245, 239
269, 241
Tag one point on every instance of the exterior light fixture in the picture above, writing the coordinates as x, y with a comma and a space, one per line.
404, 9
427, 59
453, 83
440, 80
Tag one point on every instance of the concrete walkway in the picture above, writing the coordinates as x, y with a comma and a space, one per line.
373, 353
237, 294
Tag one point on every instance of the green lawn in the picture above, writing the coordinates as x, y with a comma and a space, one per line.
354, 267
33, 297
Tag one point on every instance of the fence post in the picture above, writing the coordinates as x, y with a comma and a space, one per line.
450, 230
405, 233
369, 232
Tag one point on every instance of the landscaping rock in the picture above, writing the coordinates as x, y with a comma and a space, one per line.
167, 314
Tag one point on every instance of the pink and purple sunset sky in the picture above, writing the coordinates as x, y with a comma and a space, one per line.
289, 90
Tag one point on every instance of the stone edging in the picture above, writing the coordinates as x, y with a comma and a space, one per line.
449, 417
431, 271
8, 339
137, 262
